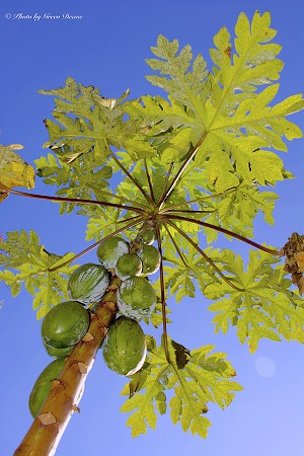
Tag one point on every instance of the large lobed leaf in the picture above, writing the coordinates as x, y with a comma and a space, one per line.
82, 180
266, 307
27, 263
202, 377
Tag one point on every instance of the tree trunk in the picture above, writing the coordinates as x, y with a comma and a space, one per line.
46, 430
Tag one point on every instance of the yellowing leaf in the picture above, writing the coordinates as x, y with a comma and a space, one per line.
14, 171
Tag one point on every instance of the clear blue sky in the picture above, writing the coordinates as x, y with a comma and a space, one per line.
107, 48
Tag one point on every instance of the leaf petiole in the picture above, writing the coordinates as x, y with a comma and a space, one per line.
61, 199
224, 230
205, 256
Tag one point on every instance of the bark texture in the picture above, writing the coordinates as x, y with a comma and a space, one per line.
46, 430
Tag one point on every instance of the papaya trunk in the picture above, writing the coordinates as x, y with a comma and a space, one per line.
46, 430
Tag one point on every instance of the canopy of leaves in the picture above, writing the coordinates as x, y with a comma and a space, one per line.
201, 161
206, 153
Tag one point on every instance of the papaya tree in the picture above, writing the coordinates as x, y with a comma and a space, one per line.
158, 178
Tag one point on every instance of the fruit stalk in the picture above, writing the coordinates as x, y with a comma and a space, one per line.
46, 430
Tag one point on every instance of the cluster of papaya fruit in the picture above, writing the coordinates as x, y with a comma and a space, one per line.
124, 348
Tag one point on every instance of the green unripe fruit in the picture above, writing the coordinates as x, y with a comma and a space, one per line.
88, 283
43, 385
128, 265
58, 352
65, 324
124, 348
147, 236
111, 250
135, 298
151, 259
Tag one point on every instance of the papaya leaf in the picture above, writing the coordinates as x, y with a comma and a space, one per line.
265, 309
157, 117
180, 281
156, 317
102, 223
176, 147
14, 171
138, 148
205, 377
77, 180
81, 118
253, 60
184, 78
238, 122
28, 263
238, 209
86, 123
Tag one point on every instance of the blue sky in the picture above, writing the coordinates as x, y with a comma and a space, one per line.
107, 48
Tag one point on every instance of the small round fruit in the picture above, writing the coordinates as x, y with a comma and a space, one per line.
151, 259
124, 348
136, 297
43, 385
88, 283
128, 265
147, 236
110, 250
58, 352
65, 324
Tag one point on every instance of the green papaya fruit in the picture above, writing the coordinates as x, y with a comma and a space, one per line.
128, 265
88, 283
147, 236
110, 250
151, 259
124, 348
43, 385
136, 297
58, 352
65, 324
